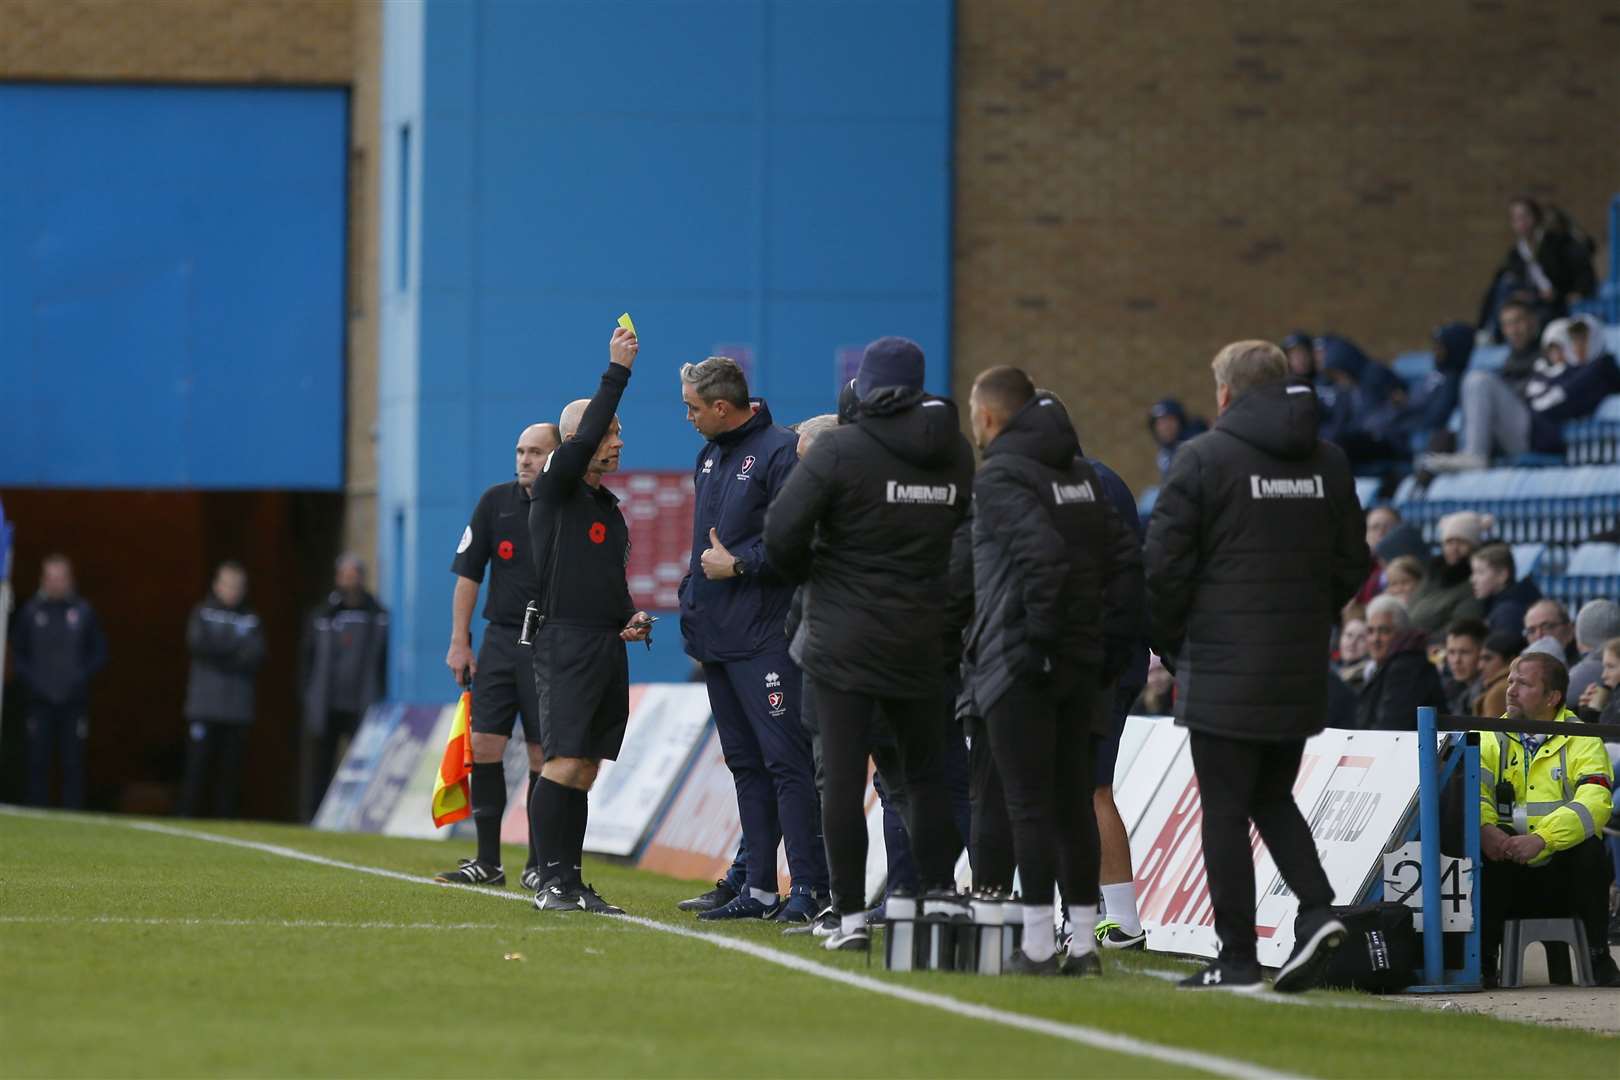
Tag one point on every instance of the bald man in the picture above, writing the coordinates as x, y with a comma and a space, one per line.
498, 536
581, 673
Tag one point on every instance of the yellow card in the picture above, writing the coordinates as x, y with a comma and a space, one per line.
624, 321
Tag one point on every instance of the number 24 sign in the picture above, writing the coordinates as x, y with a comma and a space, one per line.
1403, 883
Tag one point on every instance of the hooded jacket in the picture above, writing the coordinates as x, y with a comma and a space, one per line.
1255, 543
1366, 406
1398, 686
865, 522
1053, 564
736, 476
1505, 610
227, 647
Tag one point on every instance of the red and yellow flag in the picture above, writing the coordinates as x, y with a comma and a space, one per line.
452, 796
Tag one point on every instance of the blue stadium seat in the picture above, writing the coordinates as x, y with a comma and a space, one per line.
1593, 571
1367, 491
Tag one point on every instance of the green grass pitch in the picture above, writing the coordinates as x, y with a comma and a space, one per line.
127, 952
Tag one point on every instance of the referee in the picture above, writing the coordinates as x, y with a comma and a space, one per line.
498, 537
581, 675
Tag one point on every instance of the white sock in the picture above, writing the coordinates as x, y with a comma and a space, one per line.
764, 896
1120, 903
1040, 937
851, 923
1080, 917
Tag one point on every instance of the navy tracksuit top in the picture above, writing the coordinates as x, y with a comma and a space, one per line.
735, 478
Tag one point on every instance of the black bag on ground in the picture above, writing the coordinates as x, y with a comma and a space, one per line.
1380, 951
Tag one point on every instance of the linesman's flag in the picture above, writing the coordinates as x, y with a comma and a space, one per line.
452, 797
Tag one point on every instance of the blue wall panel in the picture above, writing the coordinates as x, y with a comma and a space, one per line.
172, 286
771, 174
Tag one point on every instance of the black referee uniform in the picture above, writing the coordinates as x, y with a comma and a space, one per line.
497, 536
581, 673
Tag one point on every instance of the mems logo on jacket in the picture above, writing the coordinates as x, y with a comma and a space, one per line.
922, 494
1309, 487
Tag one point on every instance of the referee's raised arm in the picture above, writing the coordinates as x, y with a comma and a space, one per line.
568, 464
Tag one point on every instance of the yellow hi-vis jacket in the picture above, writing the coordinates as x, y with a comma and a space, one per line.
1564, 794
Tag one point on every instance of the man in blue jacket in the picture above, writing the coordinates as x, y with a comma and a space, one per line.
734, 610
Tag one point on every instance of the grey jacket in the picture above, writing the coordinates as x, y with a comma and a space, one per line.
227, 647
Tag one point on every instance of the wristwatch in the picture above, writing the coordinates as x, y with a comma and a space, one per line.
738, 567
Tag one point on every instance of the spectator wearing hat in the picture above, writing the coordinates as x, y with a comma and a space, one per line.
1597, 622
1446, 595
1501, 648
1437, 398
1363, 415
1497, 587
1170, 426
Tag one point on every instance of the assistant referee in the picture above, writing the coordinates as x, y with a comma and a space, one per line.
581, 674
497, 536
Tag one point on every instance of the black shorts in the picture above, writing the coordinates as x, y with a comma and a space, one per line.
582, 677
1118, 702
503, 689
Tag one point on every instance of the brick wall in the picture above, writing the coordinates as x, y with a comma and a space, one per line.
1139, 184
334, 42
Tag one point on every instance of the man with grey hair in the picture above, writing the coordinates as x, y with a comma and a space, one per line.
1597, 622
1401, 678
734, 608
1256, 542
343, 668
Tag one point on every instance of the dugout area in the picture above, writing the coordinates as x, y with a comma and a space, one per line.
142, 559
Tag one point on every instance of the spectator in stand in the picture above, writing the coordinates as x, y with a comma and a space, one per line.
1381, 521
1550, 619
1447, 595
1600, 702
1404, 578
1437, 398
1170, 426
57, 648
1496, 586
1502, 647
226, 641
1493, 402
1402, 679
1463, 684
1300, 349
1598, 621
1354, 655
1363, 415
1158, 697
1403, 539
1549, 264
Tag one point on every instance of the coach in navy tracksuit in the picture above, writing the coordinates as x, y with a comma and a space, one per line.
733, 610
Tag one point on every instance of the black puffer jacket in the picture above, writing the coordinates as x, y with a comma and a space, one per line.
1255, 543
227, 647
1047, 546
887, 493
1402, 683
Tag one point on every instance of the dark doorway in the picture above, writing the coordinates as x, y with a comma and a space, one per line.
142, 559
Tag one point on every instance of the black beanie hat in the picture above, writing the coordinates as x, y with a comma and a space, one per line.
890, 361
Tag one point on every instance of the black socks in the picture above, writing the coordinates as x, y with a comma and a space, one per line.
557, 819
489, 806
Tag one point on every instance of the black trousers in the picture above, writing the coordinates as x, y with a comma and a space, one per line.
1573, 884
56, 732
213, 751
991, 844
1240, 781
1041, 739
846, 718
339, 731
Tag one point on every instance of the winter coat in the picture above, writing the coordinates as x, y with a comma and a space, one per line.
1053, 564
1505, 610
1492, 697
343, 658
1255, 543
1567, 392
227, 647
56, 647
1404, 681
1445, 596
866, 522
736, 476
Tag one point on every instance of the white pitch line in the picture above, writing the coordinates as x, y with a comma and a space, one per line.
1095, 1038
287, 924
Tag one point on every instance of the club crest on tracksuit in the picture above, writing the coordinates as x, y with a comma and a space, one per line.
743, 469
777, 701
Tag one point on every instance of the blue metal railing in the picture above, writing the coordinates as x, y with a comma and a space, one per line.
1432, 775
